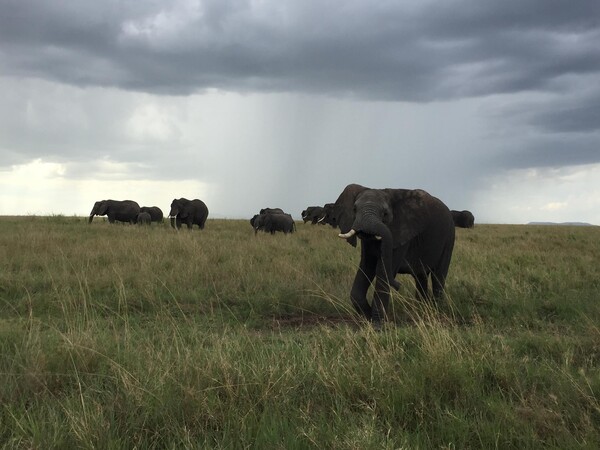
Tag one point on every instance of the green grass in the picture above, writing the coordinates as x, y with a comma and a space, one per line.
128, 337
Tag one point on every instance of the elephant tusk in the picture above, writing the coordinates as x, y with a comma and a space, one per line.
347, 235
321, 219
378, 238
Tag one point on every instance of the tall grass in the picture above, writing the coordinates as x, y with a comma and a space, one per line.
129, 337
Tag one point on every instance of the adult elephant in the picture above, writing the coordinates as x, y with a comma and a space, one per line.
156, 214
401, 231
463, 219
189, 212
271, 223
144, 218
116, 210
312, 214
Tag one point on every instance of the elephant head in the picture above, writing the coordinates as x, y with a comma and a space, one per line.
178, 209
100, 209
312, 214
328, 215
375, 213
257, 222
368, 214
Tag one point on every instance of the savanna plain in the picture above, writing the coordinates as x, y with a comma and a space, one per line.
118, 336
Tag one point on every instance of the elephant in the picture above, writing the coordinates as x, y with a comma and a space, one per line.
312, 214
271, 211
155, 212
328, 216
463, 219
144, 218
401, 231
270, 223
189, 212
116, 210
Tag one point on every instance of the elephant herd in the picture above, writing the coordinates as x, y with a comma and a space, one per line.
402, 231
183, 211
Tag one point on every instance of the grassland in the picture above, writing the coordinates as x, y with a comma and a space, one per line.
126, 337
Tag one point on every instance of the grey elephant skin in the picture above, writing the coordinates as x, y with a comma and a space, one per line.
271, 211
188, 212
271, 223
463, 219
144, 218
312, 214
401, 231
156, 214
116, 210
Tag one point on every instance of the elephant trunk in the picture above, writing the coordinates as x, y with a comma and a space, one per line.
173, 222
370, 226
373, 226
93, 213
385, 276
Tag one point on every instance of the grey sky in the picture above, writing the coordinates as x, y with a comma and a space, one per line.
282, 103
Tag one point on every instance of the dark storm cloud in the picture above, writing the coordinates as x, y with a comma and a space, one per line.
551, 151
416, 51
570, 118
550, 130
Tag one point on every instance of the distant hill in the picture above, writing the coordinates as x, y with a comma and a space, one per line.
574, 224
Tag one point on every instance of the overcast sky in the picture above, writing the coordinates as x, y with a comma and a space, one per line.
492, 106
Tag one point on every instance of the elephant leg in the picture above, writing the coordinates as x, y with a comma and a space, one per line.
438, 281
362, 281
421, 283
381, 300
358, 295
438, 277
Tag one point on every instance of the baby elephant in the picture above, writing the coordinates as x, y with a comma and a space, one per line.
144, 218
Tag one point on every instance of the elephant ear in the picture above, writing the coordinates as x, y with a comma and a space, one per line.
185, 211
343, 209
102, 209
410, 213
